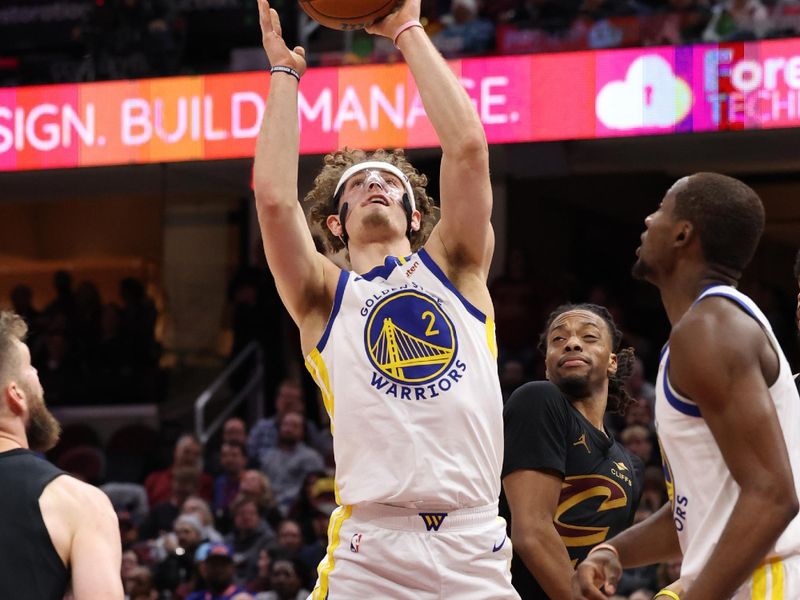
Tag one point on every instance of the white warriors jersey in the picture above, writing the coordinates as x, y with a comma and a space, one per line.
408, 373
700, 487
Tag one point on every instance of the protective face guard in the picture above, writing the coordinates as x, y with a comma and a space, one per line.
374, 168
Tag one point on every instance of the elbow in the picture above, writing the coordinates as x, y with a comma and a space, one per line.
475, 144
780, 502
784, 498
266, 198
525, 546
471, 149
525, 542
790, 507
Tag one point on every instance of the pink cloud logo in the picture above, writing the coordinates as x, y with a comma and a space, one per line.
650, 96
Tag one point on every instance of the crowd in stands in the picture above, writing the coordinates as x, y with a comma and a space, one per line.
123, 39
248, 513
90, 352
246, 516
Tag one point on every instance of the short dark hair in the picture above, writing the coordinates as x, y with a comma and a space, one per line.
728, 216
618, 397
797, 266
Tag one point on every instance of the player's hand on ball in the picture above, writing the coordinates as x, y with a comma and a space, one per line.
600, 569
387, 27
274, 45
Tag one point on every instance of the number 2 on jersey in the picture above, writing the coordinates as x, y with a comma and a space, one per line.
428, 315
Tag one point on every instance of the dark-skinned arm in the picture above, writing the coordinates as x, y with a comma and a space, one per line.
533, 498
651, 541
726, 375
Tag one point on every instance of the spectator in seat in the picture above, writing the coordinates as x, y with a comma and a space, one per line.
290, 539
250, 535
736, 20
233, 460
264, 434
465, 31
177, 568
186, 454
290, 461
217, 568
195, 505
637, 440
286, 578
162, 515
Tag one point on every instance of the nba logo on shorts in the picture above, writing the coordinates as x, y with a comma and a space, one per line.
355, 542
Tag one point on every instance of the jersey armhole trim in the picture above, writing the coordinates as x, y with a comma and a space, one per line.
337, 304
681, 405
764, 325
439, 274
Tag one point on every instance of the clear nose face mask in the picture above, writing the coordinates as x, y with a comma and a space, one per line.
375, 172
390, 187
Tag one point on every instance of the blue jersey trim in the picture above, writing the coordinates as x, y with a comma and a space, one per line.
337, 304
439, 274
735, 299
383, 271
690, 410
664, 349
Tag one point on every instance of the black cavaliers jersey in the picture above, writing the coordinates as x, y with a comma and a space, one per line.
601, 480
30, 568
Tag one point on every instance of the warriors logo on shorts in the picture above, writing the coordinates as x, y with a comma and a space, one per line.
355, 542
409, 338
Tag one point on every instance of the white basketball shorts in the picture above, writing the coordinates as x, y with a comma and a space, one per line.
378, 552
774, 580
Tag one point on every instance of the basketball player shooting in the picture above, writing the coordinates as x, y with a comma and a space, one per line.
402, 346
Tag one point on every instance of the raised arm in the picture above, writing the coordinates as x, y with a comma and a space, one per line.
299, 270
719, 357
464, 231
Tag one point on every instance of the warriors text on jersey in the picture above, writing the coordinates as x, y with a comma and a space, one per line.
701, 489
408, 373
602, 482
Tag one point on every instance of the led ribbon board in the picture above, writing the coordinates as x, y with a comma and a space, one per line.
580, 95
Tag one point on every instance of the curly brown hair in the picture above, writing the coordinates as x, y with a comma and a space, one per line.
321, 200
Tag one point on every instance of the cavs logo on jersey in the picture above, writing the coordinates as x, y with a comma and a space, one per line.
586, 497
409, 339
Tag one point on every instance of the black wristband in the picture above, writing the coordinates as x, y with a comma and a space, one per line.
285, 69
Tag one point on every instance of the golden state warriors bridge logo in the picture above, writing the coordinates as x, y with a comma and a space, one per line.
411, 341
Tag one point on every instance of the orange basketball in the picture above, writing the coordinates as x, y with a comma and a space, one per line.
347, 15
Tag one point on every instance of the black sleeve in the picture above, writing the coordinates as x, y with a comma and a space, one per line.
536, 425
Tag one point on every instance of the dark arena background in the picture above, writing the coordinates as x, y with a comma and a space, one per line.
131, 247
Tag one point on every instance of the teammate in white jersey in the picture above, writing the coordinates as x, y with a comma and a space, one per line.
727, 412
403, 345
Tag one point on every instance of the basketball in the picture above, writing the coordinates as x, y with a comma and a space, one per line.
347, 15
